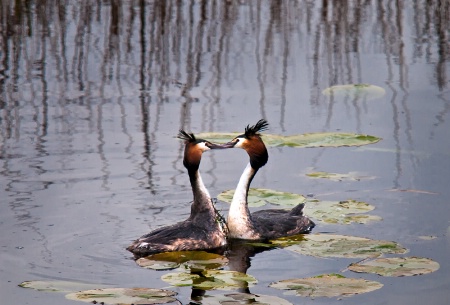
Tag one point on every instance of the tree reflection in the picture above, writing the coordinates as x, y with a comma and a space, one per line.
54, 54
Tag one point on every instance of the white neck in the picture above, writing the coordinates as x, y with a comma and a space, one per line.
239, 219
200, 188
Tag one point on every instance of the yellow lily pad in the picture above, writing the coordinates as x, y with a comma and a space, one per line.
210, 279
351, 176
259, 197
327, 285
192, 260
364, 92
340, 212
396, 266
243, 298
427, 237
320, 139
124, 296
330, 245
57, 286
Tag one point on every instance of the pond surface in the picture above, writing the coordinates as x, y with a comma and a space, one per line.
92, 96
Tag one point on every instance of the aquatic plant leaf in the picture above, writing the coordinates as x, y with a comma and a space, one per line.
57, 286
427, 237
363, 92
413, 191
330, 245
327, 285
258, 197
340, 212
124, 296
320, 139
351, 176
193, 260
210, 279
287, 241
242, 298
396, 266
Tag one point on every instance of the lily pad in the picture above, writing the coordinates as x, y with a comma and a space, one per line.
351, 176
243, 298
193, 260
396, 266
340, 212
124, 296
57, 286
427, 237
327, 285
355, 91
258, 197
320, 139
330, 245
210, 279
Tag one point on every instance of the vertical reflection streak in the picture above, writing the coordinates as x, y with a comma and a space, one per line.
147, 163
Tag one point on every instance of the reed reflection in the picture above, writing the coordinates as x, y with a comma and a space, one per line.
184, 42
62, 63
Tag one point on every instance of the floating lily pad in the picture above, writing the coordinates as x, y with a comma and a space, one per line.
351, 176
210, 279
413, 191
427, 237
124, 296
321, 139
259, 197
329, 245
243, 298
57, 286
340, 212
327, 285
396, 266
193, 260
355, 91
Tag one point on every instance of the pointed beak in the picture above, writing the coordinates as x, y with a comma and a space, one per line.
221, 146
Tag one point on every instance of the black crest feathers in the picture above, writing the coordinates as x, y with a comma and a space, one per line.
183, 135
261, 125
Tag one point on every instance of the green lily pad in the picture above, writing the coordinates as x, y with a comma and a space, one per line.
330, 245
210, 279
124, 296
320, 139
355, 91
327, 285
396, 266
340, 212
57, 286
351, 176
242, 298
193, 260
258, 197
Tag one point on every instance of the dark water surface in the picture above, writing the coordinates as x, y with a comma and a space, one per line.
93, 93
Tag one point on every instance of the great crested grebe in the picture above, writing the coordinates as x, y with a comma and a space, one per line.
202, 230
264, 224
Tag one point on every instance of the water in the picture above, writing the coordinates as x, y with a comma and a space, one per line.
92, 95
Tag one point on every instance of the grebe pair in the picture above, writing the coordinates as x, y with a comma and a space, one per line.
202, 231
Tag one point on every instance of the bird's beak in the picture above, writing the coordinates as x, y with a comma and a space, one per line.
221, 146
